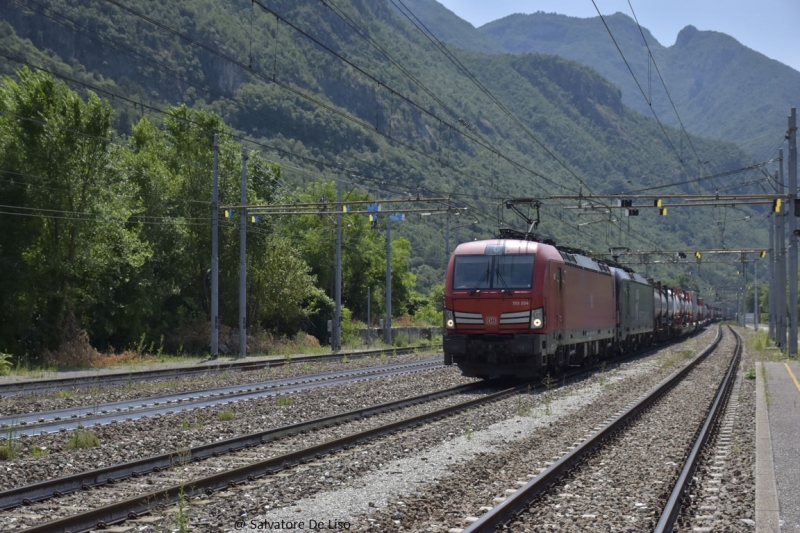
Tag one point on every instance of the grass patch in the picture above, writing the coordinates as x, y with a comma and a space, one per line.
750, 373
761, 348
181, 519
284, 400
759, 340
226, 416
674, 358
188, 425
36, 451
22, 367
8, 449
80, 440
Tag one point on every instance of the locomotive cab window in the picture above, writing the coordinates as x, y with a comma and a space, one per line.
472, 271
513, 271
493, 272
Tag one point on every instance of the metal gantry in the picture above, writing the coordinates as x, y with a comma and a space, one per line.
339, 208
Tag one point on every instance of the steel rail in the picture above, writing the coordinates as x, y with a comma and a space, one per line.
134, 507
114, 473
517, 502
44, 385
673, 507
29, 424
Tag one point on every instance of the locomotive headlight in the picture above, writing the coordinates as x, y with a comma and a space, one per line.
449, 320
537, 318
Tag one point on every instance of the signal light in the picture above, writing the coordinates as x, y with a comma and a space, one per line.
763, 254
776, 205
698, 255
657, 202
663, 210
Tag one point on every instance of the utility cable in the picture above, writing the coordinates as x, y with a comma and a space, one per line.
644, 95
664, 84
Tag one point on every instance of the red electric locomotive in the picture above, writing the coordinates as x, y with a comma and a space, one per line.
517, 307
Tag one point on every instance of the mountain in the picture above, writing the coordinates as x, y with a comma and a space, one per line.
446, 25
720, 88
351, 89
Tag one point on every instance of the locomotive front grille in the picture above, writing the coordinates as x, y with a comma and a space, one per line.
520, 317
468, 318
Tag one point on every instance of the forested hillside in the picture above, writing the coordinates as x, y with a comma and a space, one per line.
722, 89
346, 89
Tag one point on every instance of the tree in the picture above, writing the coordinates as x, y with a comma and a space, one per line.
80, 235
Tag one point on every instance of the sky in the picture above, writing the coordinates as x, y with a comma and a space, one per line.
771, 27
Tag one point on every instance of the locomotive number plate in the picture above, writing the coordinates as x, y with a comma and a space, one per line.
491, 320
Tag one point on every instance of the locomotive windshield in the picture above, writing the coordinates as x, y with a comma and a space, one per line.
493, 272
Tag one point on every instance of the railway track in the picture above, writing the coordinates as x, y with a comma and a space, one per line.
40, 386
249, 472
519, 505
85, 416
252, 474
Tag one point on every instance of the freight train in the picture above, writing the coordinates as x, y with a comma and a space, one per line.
518, 307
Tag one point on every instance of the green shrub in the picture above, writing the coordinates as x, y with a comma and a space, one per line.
429, 315
401, 340
5, 363
349, 335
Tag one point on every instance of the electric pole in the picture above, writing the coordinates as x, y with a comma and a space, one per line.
243, 260
215, 252
387, 324
771, 301
755, 295
336, 329
780, 237
792, 138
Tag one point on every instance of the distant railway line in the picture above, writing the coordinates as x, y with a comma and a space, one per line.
84, 416
39, 386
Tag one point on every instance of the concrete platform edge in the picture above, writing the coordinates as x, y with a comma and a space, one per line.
767, 510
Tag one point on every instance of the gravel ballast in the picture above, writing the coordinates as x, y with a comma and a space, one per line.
441, 473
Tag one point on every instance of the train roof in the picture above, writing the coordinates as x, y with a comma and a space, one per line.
620, 274
497, 247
